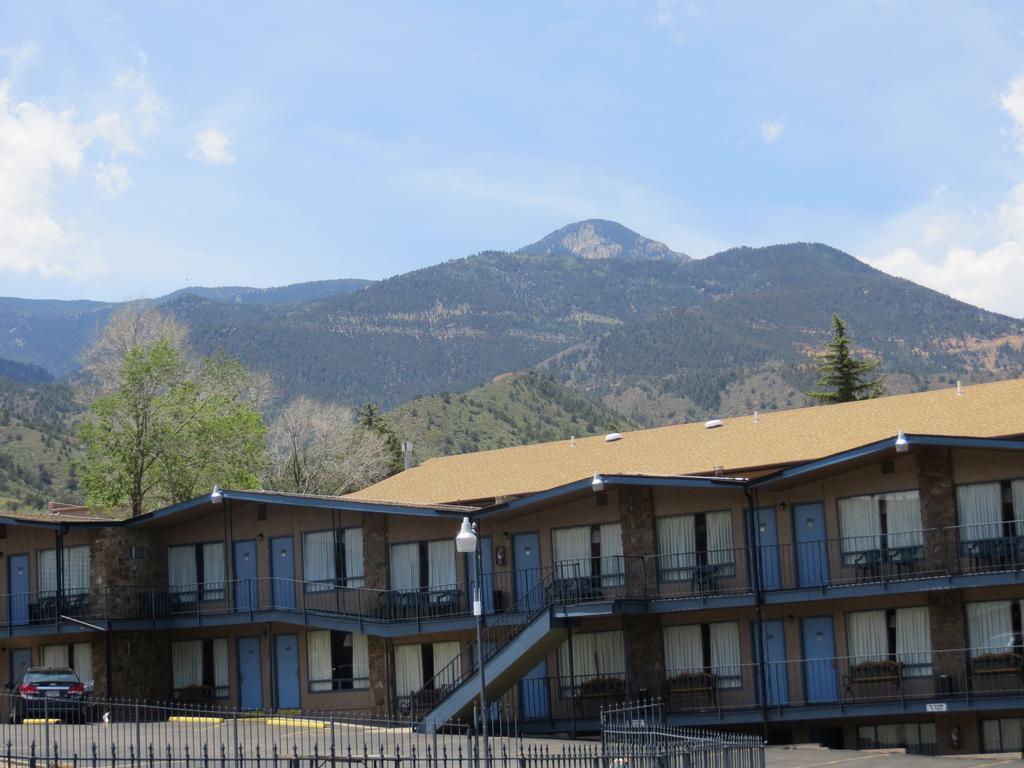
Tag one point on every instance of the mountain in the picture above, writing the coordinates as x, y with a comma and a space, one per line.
24, 374
36, 444
284, 294
514, 409
602, 239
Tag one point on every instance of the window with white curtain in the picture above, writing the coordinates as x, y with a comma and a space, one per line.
332, 558
594, 655
197, 571
447, 663
915, 738
686, 542
613, 566
201, 663
712, 647
900, 634
408, 669
572, 551
991, 510
338, 661
423, 565
78, 656
76, 566
994, 626
880, 522
1002, 735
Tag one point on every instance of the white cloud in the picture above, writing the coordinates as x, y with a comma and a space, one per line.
771, 130
974, 256
149, 107
212, 146
667, 16
112, 178
41, 147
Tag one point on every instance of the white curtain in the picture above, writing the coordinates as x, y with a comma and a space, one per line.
81, 662
76, 570
914, 641
55, 655
1003, 735
441, 563
405, 566
683, 650
719, 526
608, 652
725, 652
318, 563
445, 654
572, 551
46, 561
408, 669
1018, 506
354, 557
187, 663
981, 511
677, 546
318, 652
584, 657
612, 564
860, 525
989, 626
220, 666
903, 519
868, 636
360, 662
213, 570
182, 574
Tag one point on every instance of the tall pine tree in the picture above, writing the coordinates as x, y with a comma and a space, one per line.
846, 376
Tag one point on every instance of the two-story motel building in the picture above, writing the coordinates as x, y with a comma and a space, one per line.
848, 574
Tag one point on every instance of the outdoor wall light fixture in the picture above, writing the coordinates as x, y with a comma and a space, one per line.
597, 484
217, 496
902, 444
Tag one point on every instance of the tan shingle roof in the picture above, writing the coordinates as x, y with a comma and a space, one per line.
777, 438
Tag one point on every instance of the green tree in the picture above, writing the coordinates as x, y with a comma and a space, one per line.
846, 376
166, 428
371, 419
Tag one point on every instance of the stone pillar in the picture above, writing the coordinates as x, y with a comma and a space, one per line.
636, 513
382, 674
938, 506
646, 658
949, 633
141, 667
376, 563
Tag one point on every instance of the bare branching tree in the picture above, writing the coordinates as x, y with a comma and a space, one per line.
317, 448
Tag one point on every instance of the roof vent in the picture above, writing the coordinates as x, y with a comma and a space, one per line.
713, 424
611, 437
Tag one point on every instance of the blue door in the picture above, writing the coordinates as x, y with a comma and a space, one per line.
487, 557
286, 667
819, 660
535, 703
282, 568
526, 560
775, 674
767, 533
21, 659
245, 576
811, 554
250, 673
17, 578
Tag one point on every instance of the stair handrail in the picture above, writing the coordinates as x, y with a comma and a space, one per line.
446, 681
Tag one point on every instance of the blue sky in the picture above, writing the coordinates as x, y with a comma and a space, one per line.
147, 146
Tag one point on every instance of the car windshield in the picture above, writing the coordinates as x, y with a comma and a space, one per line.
56, 676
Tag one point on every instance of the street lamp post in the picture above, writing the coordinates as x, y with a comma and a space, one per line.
467, 541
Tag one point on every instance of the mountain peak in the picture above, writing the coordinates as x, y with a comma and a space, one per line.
602, 239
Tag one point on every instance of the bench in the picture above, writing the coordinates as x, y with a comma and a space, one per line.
880, 672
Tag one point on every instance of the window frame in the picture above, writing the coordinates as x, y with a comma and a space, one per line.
203, 595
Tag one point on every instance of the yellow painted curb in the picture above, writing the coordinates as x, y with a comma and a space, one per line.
183, 719
40, 721
295, 721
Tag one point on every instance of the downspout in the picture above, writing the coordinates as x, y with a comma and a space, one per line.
59, 565
754, 536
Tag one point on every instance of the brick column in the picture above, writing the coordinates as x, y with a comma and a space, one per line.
645, 660
938, 506
141, 667
376, 568
949, 633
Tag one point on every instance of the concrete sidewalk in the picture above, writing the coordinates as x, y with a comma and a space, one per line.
817, 757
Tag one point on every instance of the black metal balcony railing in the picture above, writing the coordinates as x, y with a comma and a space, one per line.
875, 559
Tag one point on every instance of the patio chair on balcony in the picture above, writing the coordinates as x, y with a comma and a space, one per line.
575, 589
704, 578
905, 558
868, 564
1003, 550
695, 686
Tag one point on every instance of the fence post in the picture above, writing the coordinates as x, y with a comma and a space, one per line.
234, 733
138, 733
